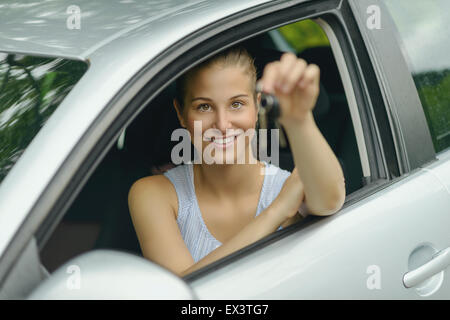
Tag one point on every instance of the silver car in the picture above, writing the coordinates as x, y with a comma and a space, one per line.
85, 111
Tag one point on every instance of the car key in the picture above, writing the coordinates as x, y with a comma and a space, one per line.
269, 102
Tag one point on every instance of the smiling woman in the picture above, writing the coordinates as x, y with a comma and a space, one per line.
197, 213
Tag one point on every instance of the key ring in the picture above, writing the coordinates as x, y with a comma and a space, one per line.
269, 102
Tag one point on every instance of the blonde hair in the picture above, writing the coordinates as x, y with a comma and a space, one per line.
235, 56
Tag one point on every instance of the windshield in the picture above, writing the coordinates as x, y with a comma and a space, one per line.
31, 88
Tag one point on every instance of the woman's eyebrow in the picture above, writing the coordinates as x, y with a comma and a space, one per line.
238, 96
201, 98
208, 99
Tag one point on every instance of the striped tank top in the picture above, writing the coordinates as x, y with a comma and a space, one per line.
194, 231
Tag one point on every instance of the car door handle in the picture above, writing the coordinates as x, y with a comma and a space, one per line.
439, 262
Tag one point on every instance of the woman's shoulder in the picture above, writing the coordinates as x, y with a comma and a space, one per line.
157, 182
160, 180
155, 188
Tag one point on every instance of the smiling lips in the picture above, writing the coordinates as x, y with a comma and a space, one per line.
222, 142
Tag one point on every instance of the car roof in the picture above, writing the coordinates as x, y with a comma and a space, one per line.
47, 27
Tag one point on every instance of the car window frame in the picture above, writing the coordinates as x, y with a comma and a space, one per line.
168, 65
407, 119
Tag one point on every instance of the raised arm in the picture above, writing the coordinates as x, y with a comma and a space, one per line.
296, 84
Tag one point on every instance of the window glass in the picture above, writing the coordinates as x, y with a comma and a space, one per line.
424, 29
31, 88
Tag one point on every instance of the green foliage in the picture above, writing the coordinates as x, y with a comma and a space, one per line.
31, 88
434, 92
304, 34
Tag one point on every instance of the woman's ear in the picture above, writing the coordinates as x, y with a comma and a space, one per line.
178, 110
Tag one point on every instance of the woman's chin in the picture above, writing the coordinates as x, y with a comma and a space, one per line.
228, 158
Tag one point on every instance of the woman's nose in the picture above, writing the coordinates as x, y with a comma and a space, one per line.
222, 121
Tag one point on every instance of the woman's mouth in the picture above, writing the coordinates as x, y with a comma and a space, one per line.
223, 142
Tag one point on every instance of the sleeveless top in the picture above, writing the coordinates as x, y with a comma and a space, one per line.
193, 229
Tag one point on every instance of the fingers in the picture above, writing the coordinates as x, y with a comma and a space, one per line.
289, 73
310, 76
269, 78
288, 63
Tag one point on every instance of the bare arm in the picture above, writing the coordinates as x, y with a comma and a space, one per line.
319, 168
296, 84
155, 223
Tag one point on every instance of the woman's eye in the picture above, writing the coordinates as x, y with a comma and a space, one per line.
203, 107
237, 105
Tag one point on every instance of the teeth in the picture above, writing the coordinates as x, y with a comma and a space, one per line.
224, 141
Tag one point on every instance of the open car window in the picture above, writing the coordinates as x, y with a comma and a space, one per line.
100, 212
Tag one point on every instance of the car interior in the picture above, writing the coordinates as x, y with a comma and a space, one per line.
99, 216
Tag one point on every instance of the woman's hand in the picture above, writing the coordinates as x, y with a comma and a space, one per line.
291, 195
295, 84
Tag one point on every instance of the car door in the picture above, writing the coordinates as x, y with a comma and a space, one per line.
390, 240
364, 250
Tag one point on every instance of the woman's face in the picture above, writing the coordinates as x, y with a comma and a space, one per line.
222, 100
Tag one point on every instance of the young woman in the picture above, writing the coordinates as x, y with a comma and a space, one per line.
195, 214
